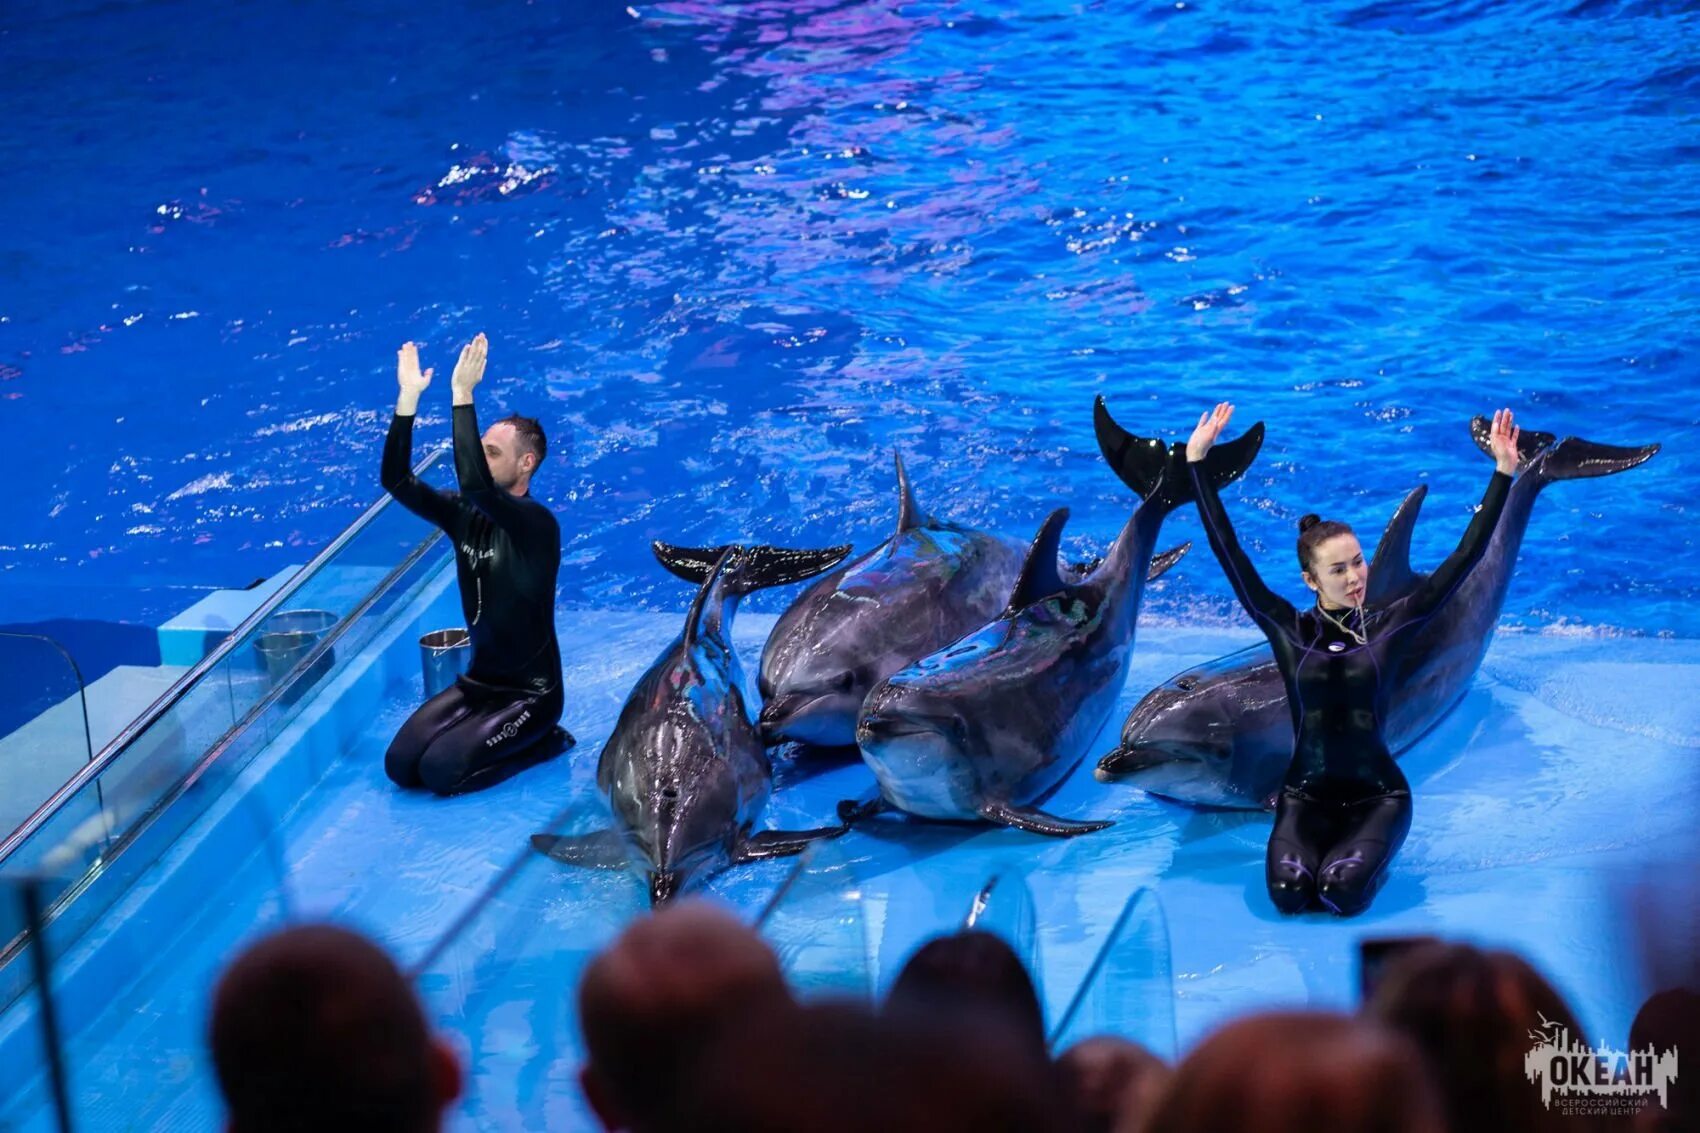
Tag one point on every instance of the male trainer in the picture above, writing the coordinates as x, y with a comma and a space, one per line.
501, 716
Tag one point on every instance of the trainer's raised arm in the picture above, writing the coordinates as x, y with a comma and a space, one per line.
1502, 439
410, 378
469, 370
1208, 431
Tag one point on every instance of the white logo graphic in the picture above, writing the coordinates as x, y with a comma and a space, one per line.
509, 730
1598, 1081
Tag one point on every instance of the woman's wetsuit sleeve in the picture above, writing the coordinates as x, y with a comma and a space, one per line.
1268, 609
398, 479
1447, 577
477, 486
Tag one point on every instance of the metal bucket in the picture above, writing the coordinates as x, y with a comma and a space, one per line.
444, 654
287, 637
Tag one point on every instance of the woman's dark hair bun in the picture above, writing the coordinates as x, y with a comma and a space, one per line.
1308, 521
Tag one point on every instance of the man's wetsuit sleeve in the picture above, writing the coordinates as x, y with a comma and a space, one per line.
1268, 609
399, 481
1447, 577
477, 487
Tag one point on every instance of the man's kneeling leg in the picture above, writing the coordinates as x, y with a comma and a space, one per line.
469, 755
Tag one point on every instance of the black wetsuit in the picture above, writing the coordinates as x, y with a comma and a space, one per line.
1344, 807
501, 715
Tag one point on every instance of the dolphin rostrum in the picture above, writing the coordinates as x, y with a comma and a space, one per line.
921, 589
1219, 734
985, 728
685, 772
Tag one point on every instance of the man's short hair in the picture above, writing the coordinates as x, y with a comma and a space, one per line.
654, 999
315, 1028
530, 434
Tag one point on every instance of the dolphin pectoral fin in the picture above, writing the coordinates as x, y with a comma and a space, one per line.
1162, 562
1039, 577
1037, 821
1390, 575
782, 843
599, 849
852, 811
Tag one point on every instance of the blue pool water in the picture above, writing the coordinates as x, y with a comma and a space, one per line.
734, 254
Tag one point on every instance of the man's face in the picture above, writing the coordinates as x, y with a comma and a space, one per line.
508, 459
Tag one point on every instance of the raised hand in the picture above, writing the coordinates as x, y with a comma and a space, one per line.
1210, 426
407, 371
469, 371
1502, 440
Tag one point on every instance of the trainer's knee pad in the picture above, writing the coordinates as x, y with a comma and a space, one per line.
1291, 886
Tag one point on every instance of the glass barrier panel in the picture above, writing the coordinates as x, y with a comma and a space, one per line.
502, 983
815, 923
253, 686
132, 1050
44, 724
1129, 989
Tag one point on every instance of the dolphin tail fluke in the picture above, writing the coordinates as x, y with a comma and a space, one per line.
749, 568
1569, 459
1165, 560
1391, 576
1576, 459
782, 843
1038, 822
1530, 444
1158, 472
600, 849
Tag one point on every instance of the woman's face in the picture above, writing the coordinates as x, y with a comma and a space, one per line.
1338, 571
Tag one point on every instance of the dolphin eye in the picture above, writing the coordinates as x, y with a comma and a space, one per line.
844, 681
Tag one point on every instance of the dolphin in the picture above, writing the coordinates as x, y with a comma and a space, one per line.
924, 587
685, 772
988, 726
1219, 734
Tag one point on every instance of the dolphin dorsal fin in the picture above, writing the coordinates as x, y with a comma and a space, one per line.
706, 604
909, 514
1039, 575
1390, 575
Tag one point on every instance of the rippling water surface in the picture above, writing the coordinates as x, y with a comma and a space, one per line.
736, 254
